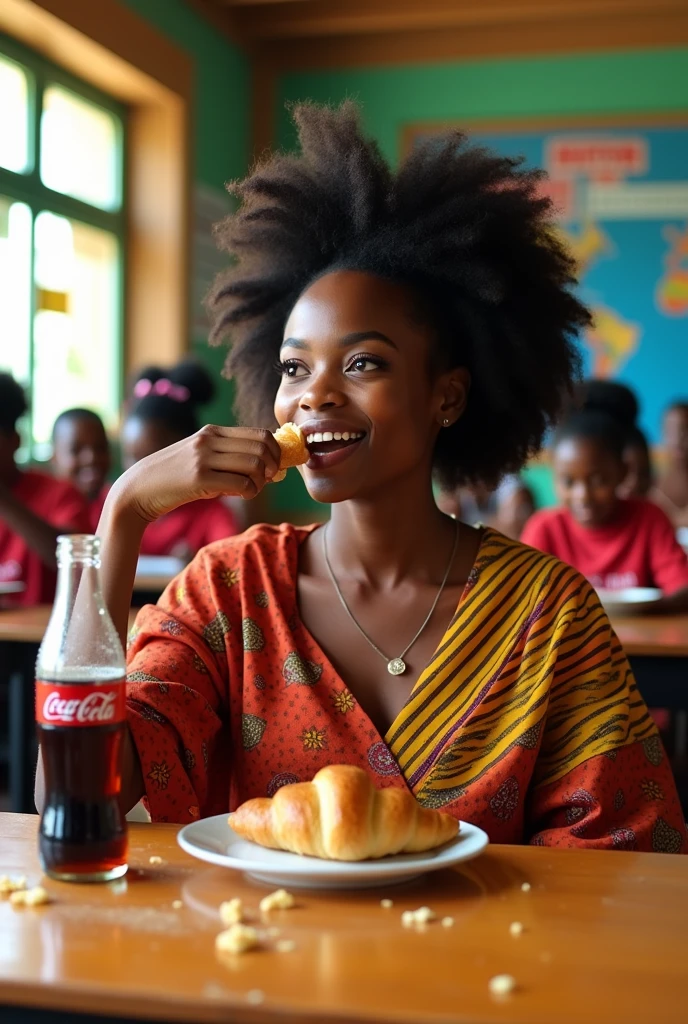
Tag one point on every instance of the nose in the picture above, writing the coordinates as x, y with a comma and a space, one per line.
321, 392
581, 492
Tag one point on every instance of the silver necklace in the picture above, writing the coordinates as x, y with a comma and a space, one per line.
395, 666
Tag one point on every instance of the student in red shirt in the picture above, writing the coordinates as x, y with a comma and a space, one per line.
162, 412
34, 510
81, 454
615, 542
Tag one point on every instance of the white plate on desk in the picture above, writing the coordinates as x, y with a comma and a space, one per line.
212, 840
165, 566
12, 587
630, 601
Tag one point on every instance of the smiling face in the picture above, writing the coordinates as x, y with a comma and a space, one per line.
587, 477
81, 454
356, 378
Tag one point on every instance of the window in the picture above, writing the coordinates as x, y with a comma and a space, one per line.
62, 224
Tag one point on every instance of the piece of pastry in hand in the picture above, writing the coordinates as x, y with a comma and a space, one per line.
340, 815
293, 448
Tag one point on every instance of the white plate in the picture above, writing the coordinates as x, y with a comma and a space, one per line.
212, 840
631, 601
165, 566
13, 587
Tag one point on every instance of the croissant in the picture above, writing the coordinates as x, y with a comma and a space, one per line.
293, 448
340, 815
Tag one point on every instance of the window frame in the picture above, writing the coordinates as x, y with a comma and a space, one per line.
27, 187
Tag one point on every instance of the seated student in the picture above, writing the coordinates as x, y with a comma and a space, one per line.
614, 542
507, 507
422, 320
34, 509
81, 454
671, 490
620, 401
161, 412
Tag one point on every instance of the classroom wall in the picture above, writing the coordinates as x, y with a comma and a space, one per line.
221, 129
632, 82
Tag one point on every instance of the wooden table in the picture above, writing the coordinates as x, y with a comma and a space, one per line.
657, 648
605, 939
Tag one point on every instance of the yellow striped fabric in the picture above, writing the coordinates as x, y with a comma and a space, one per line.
529, 660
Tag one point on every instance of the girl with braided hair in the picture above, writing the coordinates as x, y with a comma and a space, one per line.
412, 322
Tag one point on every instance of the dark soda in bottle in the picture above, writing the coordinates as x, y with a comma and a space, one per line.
80, 690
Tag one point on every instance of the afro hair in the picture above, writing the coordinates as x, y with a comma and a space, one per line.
468, 232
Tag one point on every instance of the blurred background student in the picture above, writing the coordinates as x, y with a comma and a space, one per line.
81, 454
34, 509
161, 411
671, 489
506, 508
615, 542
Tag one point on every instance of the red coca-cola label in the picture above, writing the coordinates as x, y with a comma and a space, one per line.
85, 704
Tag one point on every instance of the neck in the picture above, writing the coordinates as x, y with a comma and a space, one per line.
394, 534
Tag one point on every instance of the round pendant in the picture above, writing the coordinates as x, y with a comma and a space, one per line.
396, 667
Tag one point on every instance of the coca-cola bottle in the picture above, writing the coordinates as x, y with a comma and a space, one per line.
80, 689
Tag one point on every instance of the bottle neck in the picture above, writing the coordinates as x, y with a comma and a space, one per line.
80, 633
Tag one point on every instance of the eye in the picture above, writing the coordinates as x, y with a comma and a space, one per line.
291, 368
364, 364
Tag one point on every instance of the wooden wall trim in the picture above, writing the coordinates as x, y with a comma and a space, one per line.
475, 42
109, 46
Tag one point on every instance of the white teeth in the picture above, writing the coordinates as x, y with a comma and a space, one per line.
328, 436
337, 436
346, 435
317, 437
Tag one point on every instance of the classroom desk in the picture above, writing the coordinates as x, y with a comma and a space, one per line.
604, 939
657, 648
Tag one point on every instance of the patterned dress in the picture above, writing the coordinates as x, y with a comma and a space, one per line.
526, 722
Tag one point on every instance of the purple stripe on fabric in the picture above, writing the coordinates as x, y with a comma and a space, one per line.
429, 760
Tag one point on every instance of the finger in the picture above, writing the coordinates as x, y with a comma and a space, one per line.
245, 446
236, 485
239, 463
258, 434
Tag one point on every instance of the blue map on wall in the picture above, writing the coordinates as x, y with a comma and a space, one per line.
622, 198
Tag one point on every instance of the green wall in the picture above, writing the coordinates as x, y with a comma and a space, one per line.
597, 83
220, 124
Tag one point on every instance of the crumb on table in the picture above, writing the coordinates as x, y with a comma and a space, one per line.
36, 897
177, 904
156, 861
447, 922
515, 928
502, 984
239, 938
386, 904
9, 885
278, 900
285, 946
525, 887
231, 911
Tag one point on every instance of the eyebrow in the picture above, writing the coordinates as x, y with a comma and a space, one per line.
349, 339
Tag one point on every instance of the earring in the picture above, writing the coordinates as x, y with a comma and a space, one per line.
445, 422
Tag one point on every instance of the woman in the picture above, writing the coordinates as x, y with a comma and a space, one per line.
416, 321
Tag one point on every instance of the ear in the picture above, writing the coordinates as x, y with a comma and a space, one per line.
452, 395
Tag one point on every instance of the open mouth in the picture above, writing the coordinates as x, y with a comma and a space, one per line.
332, 446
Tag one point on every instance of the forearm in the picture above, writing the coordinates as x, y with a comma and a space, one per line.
120, 530
40, 536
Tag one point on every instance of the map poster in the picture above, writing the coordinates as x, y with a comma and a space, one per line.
621, 194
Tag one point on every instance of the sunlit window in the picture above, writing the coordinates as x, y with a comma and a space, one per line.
61, 243
76, 325
14, 116
79, 149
